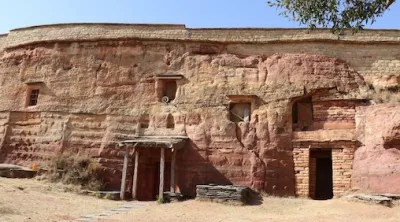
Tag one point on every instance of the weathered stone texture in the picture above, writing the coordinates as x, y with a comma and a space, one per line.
97, 88
377, 160
84, 31
226, 194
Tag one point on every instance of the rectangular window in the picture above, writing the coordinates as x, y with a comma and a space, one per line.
167, 86
167, 90
302, 114
240, 112
33, 97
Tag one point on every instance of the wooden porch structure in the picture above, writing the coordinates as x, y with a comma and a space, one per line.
162, 143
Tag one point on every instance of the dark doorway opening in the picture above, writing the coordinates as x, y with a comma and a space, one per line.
321, 174
149, 174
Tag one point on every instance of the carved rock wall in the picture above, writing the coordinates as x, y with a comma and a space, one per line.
96, 93
377, 160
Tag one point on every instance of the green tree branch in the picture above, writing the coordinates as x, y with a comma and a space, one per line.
335, 14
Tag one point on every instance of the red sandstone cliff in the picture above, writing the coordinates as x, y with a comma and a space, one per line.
96, 92
377, 161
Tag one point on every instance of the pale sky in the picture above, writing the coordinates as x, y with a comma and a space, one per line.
192, 13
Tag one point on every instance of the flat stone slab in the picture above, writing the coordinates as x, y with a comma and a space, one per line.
391, 196
15, 171
110, 195
372, 198
382, 199
5, 166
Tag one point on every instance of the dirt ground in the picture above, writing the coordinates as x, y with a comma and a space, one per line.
272, 209
32, 200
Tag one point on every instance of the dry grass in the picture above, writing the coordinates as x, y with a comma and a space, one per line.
381, 95
271, 209
386, 96
76, 170
41, 201
32, 200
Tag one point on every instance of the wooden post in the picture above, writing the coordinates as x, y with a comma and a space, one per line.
135, 175
162, 163
172, 188
124, 171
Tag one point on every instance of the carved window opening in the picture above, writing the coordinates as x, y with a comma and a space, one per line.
167, 90
302, 114
33, 97
170, 122
33, 88
240, 112
166, 86
144, 122
241, 107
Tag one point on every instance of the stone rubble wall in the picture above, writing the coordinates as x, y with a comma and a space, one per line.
80, 32
223, 193
373, 53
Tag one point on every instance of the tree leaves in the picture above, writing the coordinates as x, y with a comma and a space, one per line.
335, 14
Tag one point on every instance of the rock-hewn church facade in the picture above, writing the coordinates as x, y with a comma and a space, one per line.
284, 111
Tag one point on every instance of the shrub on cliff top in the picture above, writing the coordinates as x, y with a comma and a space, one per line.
75, 169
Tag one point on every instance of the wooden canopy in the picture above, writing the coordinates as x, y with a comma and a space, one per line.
155, 142
149, 142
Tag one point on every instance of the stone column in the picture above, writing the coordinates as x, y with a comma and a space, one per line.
172, 188
162, 163
124, 172
135, 175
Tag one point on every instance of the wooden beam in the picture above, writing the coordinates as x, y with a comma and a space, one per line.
162, 163
124, 172
135, 176
172, 188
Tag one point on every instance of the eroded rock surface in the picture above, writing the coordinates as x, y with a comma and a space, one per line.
94, 94
377, 162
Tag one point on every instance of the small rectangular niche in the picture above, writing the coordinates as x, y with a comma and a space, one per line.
33, 96
166, 86
166, 90
241, 107
144, 122
170, 121
168, 76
